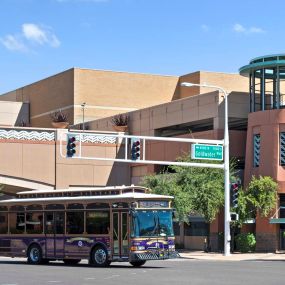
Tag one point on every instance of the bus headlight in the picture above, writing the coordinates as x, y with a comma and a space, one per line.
171, 246
137, 248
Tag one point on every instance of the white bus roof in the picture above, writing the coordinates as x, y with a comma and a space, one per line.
130, 195
81, 189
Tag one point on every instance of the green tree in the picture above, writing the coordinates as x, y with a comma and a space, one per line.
165, 184
195, 190
259, 197
262, 194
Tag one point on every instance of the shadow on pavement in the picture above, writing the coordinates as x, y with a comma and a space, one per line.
265, 260
82, 265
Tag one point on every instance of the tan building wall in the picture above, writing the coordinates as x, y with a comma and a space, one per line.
45, 96
31, 161
268, 124
145, 121
14, 113
107, 92
229, 81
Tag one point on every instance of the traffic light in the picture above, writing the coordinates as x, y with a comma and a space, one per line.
135, 150
234, 217
234, 194
71, 146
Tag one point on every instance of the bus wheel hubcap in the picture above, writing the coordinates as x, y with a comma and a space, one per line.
34, 255
100, 256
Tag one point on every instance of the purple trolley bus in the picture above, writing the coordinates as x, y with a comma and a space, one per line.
99, 224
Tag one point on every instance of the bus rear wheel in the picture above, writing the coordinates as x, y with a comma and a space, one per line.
71, 261
35, 254
99, 257
138, 263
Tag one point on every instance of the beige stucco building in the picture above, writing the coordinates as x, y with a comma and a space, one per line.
157, 106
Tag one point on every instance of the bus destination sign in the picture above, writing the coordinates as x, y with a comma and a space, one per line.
153, 204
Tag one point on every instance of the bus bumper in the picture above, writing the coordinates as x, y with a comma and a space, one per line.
157, 255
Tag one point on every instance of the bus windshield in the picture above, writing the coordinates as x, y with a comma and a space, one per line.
152, 223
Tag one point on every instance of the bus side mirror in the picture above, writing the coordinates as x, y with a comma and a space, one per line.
174, 214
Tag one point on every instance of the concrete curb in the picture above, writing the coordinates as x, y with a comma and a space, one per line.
200, 255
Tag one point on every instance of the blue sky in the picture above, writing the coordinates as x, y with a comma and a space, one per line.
39, 38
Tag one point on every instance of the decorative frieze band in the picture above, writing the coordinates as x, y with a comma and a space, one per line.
92, 138
50, 136
27, 135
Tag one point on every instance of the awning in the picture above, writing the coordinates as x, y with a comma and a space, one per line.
277, 221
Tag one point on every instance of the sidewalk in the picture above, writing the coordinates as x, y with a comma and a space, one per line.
201, 255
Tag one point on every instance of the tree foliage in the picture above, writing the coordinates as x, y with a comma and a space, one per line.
196, 190
262, 194
165, 184
259, 197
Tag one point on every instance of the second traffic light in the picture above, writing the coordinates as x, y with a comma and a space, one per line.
71, 146
234, 194
135, 149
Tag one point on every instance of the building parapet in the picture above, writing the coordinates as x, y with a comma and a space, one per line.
36, 134
27, 135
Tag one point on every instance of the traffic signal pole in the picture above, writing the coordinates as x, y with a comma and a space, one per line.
227, 219
124, 139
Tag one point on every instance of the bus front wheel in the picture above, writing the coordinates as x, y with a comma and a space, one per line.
138, 263
99, 257
35, 254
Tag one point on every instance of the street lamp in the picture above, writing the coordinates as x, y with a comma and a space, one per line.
227, 234
83, 108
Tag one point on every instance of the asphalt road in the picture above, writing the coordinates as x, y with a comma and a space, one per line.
182, 271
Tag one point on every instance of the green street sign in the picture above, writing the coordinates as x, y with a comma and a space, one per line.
207, 151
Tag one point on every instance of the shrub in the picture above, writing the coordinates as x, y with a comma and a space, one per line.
59, 116
245, 242
120, 120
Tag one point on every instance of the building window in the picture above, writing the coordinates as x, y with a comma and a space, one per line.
282, 149
256, 150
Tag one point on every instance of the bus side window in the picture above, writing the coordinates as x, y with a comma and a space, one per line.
49, 223
75, 219
98, 222
54, 219
59, 222
17, 220
3, 220
34, 219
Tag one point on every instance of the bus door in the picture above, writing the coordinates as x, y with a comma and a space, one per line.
54, 232
120, 234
